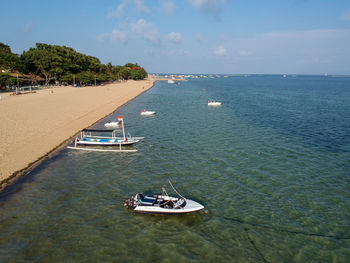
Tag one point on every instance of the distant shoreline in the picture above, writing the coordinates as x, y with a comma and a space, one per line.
188, 75
35, 125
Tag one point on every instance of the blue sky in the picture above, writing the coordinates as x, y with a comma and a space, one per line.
190, 36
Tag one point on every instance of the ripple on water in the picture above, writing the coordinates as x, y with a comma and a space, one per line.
270, 166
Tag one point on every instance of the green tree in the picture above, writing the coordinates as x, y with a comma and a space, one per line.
94, 64
137, 74
125, 73
117, 69
40, 61
6, 80
62, 63
131, 65
4, 49
8, 60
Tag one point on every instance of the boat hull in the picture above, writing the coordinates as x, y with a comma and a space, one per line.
148, 113
191, 207
105, 142
214, 103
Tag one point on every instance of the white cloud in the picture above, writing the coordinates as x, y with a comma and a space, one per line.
150, 52
202, 3
175, 37
346, 15
306, 35
220, 51
210, 7
169, 7
146, 30
28, 26
244, 53
140, 7
200, 38
182, 52
119, 36
119, 12
115, 35
308, 51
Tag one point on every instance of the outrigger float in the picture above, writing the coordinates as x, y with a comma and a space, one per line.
92, 137
162, 204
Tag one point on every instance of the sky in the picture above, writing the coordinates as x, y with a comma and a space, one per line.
190, 36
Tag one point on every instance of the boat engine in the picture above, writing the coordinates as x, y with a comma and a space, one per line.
132, 201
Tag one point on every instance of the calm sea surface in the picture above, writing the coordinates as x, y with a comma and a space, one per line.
271, 166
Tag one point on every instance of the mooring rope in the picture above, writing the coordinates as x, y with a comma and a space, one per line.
290, 230
175, 190
254, 246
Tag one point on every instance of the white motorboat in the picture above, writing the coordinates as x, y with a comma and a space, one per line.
162, 204
171, 81
147, 113
95, 137
112, 124
214, 103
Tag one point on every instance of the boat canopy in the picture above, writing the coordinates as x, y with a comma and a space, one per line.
96, 130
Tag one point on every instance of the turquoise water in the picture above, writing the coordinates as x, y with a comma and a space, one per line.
271, 166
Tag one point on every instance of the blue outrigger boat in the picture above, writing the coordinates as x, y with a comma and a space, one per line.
93, 137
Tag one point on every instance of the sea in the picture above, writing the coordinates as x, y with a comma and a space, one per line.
271, 165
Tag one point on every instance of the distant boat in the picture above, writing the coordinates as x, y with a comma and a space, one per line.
112, 124
171, 81
214, 103
147, 113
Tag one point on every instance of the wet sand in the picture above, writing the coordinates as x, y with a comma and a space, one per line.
33, 125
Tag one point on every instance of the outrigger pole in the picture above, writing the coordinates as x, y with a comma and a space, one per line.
99, 150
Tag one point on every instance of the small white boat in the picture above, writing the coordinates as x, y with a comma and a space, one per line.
171, 81
112, 124
147, 113
162, 204
214, 103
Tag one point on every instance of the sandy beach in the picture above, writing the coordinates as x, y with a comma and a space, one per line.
33, 125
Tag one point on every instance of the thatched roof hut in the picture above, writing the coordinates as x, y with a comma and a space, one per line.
26, 77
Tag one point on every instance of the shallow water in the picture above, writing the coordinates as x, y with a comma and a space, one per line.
271, 166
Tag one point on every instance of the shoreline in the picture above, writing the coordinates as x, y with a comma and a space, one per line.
118, 95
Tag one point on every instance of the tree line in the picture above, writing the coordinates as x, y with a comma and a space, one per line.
60, 64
